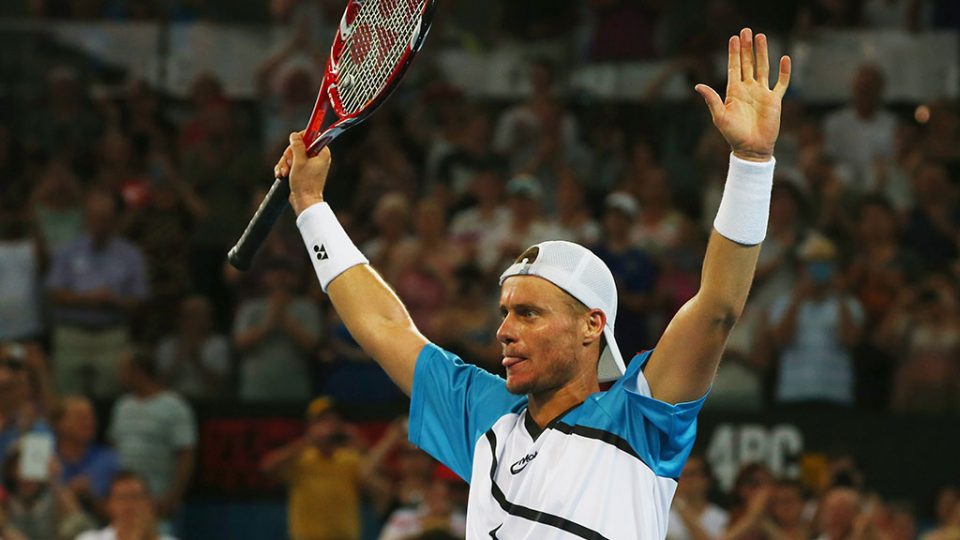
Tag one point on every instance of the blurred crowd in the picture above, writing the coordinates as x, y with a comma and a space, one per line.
118, 209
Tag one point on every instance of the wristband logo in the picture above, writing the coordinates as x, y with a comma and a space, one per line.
321, 252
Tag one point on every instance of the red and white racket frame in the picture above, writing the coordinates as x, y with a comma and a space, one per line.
329, 118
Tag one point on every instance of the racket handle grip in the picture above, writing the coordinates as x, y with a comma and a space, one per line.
270, 210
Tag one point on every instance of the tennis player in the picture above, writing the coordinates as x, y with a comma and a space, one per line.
547, 454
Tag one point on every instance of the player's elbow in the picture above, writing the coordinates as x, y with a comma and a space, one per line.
721, 313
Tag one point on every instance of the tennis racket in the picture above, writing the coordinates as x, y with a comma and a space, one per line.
375, 44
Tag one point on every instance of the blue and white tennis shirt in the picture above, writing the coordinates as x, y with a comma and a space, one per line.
606, 468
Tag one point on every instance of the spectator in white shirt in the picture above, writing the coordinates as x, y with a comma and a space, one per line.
195, 361
693, 516
131, 511
861, 136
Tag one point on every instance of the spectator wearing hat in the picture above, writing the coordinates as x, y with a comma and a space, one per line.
275, 335
324, 475
524, 226
815, 328
633, 269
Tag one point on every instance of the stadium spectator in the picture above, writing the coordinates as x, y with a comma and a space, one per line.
933, 224
878, 272
787, 511
840, 515
659, 226
861, 136
21, 263
325, 477
162, 229
750, 512
275, 335
63, 119
154, 432
437, 512
195, 361
391, 220
574, 216
692, 515
922, 330
96, 284
422, 266
532, 132
815, 328
41, 508
471, 156
87, 467
468, 323
633, 269
525, 226
131, 510
57, 205
17, 414
947, 515
471, 226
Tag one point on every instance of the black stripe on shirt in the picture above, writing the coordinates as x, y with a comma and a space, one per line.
529, 513
598, 435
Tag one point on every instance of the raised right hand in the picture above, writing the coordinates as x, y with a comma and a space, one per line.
308, 175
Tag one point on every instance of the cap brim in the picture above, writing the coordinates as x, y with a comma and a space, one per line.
611, 366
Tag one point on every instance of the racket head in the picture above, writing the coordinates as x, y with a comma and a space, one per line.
375, 43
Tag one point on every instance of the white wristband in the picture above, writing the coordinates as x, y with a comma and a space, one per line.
745, 206
330, 248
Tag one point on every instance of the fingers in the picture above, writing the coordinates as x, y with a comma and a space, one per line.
297, 147
763, 61
747, 72
783, 80
714, 103
282, 168
733, 60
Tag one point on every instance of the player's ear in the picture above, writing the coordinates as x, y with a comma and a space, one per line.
593, 323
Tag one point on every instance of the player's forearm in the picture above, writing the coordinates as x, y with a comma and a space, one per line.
378, 321
368, 307
728, 271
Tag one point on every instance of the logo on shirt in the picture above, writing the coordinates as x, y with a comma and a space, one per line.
522, 463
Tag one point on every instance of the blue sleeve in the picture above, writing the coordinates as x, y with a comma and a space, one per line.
452, 405
662, 434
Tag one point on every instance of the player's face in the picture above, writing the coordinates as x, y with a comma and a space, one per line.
539, 335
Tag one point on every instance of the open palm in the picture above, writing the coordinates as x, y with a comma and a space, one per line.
749, 119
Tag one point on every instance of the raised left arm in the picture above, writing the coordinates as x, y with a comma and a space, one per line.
683, 365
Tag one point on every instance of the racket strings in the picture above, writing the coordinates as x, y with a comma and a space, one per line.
381, 32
